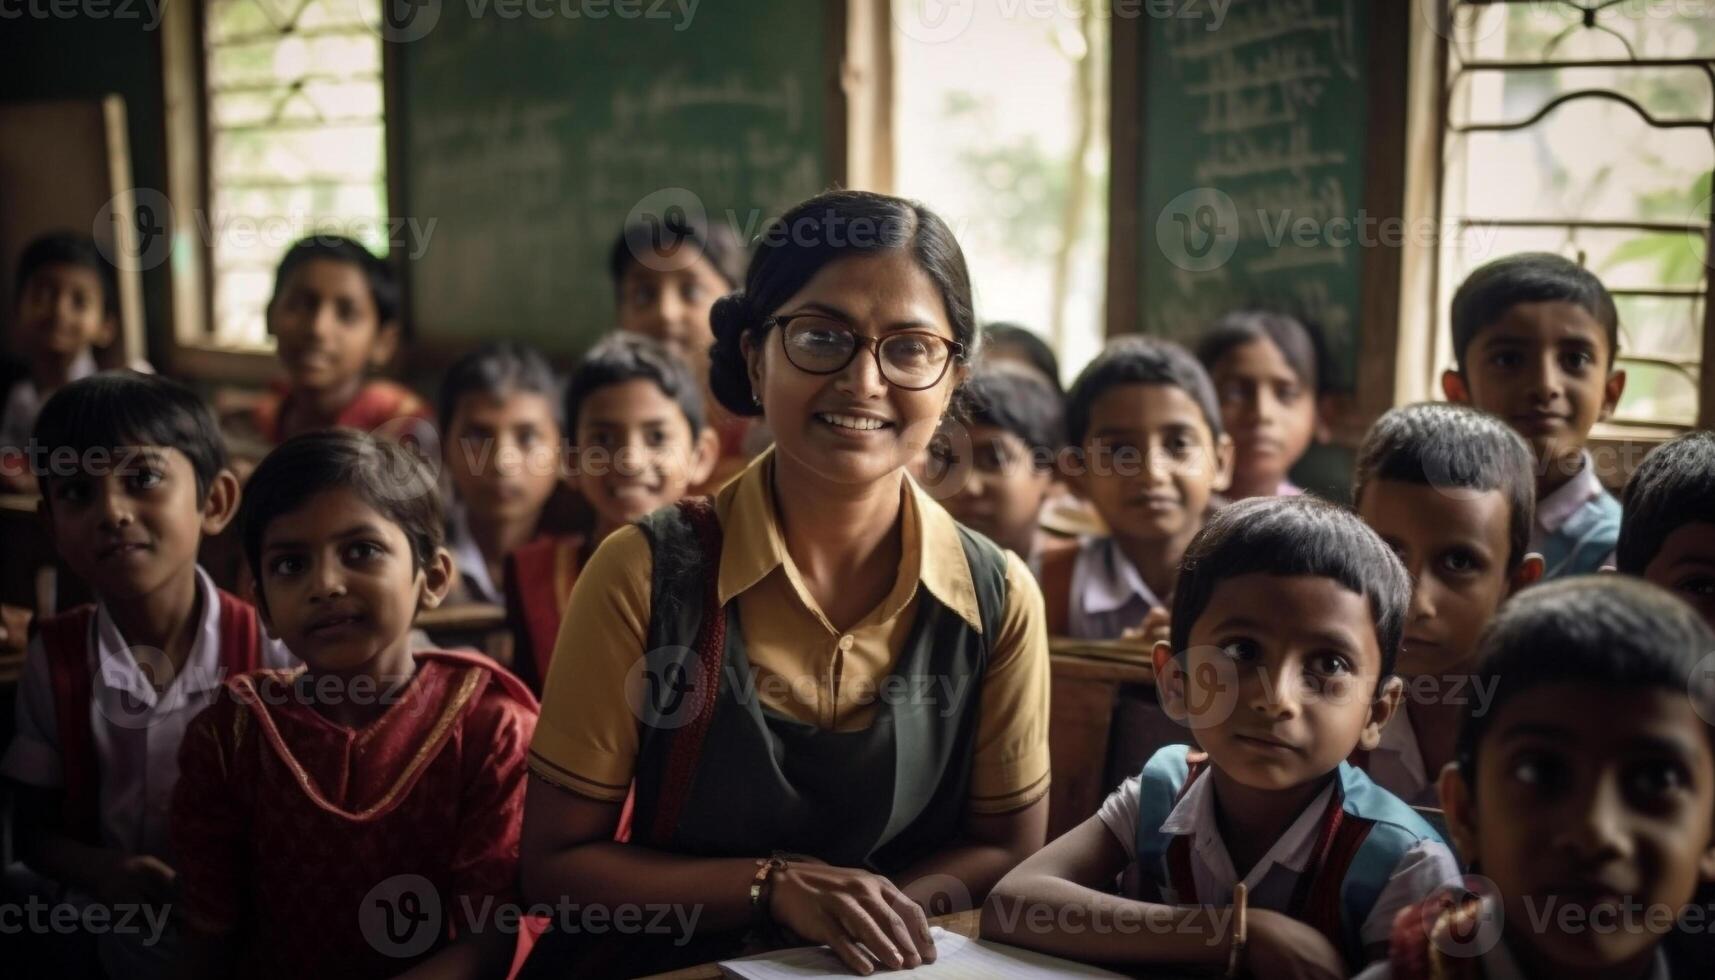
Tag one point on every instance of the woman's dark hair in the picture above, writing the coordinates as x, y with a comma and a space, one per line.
497, 368
1139, 360
1450, 446
383, 286
117, 410
621, 357
390, 478
1673, 486
1298, 343
1289, 536
1529, 277
67, 248
1034, 349
656, 246
794, 247
1611, 632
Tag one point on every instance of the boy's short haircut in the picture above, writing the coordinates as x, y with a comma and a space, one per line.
497, 368
1609, 631
388, 477
66, 248
1529, 277
383, 286
1297, 342
620, 357
1448, 446
116, 410
1138, 360
1673, 486
640, 244
1012, 398
1033, 347
1287, 536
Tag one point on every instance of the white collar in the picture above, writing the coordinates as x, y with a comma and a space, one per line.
468, 559
127, 671
1557, 508
1108, 578
1194, 814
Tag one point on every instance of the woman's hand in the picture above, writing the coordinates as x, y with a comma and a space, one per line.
1282, 948
843, 907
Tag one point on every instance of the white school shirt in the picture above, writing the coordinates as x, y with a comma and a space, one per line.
1396, 764
1554, 510
1109, 595
18, 418
468, 560
136, 732
1425, 867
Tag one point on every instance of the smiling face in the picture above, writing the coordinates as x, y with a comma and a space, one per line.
1151, 462
1588, 800
1280, 682
1267, 410
672, 306
132, 524
502, 451
1001, 492
636, 453
1544, 369
340, 587
852, 428
1455, 543
328, 330
1686, 565
61, 312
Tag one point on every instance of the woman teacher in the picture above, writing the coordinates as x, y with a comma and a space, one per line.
831, 699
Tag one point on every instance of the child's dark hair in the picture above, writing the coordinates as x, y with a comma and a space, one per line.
1528, 277
497, 368
1298, 343
1138, 360
1012, 398
1447, 446
117, 410
66, 248
828, 227
1035, 350
1287, 536
1673, 486
655, 246
383, 287
621, 357
1608, 631
390, 478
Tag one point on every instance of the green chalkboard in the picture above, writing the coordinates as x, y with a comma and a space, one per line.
1253, 168
529, 140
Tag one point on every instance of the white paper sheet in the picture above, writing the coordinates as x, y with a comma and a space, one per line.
956, 958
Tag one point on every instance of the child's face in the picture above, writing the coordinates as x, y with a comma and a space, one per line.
673, 307
1685, 565
339, 585
1280, 682
328, 329
1592, 808
1151, 463
1543, 368
1455, 544
503, 451
1001, 493
1267, 410
61, 312
636, 453
128, 523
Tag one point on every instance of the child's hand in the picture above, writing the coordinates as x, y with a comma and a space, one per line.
1282, 948
14, 628
136, 879
1154, 628
847, 906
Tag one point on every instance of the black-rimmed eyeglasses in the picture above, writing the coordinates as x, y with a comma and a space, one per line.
908, 359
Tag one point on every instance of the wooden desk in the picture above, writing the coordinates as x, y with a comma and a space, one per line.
1087, 677
478, 626
963, 923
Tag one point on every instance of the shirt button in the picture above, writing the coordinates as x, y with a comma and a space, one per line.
846, 642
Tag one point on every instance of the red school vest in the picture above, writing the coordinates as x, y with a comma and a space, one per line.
65, 639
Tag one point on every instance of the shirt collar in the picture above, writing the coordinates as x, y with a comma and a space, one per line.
125, 669
468, 557
753, 545
1108, 580
1558, 507
1194, 814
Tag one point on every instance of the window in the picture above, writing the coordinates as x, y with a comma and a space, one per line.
1590, 133
1001, 128
295, 146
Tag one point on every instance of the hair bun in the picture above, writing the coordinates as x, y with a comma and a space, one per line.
730, 315
729, 374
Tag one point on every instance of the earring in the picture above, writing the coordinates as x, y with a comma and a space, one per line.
756, 399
